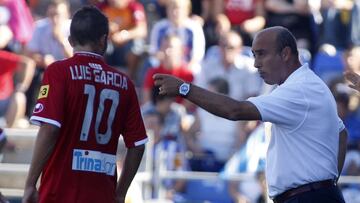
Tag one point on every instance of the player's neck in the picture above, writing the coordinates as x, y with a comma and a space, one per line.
87, 48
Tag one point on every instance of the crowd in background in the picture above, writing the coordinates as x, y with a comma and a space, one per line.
206, 42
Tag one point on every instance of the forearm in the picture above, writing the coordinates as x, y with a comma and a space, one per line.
129, 169
27, 69
342, 149
43, 149
222, 105
140, 31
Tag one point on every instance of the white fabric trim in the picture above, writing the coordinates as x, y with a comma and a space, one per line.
138, 143
37, 120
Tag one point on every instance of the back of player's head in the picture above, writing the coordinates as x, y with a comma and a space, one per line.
88, 26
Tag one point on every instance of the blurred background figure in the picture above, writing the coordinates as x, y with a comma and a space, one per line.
227, 60
20, 22
246, 16
16, 73
163, 117
48, 44
171, 62
296, 16
128, 31
179, 23
248, 160
205, 136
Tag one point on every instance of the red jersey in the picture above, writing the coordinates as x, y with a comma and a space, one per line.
240, 10
9, 62
180, 72
92, 104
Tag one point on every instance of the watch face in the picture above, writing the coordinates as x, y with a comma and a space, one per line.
184, 89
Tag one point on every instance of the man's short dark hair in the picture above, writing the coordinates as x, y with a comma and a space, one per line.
88, 25
284, 39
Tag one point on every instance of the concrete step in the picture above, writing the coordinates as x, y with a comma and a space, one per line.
24, 140
12, 195
13, 176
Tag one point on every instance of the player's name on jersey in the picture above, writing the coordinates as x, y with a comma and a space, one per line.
83, 72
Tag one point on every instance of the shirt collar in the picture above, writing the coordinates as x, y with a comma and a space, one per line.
296, 74
88, 54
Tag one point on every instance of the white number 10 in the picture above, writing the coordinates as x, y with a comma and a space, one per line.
104, 94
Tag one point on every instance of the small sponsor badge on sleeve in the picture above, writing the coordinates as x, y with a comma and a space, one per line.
44, 91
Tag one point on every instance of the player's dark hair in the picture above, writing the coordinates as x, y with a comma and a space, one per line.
284, 39
88, 25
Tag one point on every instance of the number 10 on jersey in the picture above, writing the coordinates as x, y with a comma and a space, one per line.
89, 113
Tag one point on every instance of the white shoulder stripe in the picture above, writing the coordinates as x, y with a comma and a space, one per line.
138, 143
37, 120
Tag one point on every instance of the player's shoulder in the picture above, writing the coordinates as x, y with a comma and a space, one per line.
125, 79
59, 65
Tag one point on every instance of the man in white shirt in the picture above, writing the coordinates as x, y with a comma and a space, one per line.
308, 143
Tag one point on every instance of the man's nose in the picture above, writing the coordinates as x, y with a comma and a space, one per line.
257, 64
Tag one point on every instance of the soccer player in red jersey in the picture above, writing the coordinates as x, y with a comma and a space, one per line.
83, 107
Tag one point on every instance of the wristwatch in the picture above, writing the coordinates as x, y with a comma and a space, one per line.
184, 89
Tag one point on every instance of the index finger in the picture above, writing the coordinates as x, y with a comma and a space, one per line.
159, 76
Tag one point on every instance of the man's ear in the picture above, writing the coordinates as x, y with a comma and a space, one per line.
71, 41
286, 53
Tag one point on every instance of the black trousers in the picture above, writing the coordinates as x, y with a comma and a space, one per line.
324, 195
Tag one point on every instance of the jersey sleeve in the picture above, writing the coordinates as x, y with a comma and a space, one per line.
134, 133
138, 12
8, 61
284, 106
50, 103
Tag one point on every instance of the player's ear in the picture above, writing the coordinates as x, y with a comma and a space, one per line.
103, 40
71, 41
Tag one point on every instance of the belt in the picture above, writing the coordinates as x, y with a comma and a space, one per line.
302, 189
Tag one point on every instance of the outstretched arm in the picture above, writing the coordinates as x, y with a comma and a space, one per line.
354, 79
217, 104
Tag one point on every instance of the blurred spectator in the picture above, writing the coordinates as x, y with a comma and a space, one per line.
296, 16
351, 168
163, 117
336, 26
13, 99
128, 30
205, 136
246, 16
178, 22
171, 62
231, 65
213, 27
352, 59
350, 117
49, 43
355, 25
20, 23
248, 160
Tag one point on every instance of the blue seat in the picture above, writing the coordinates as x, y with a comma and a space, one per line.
213, 191
328, 67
